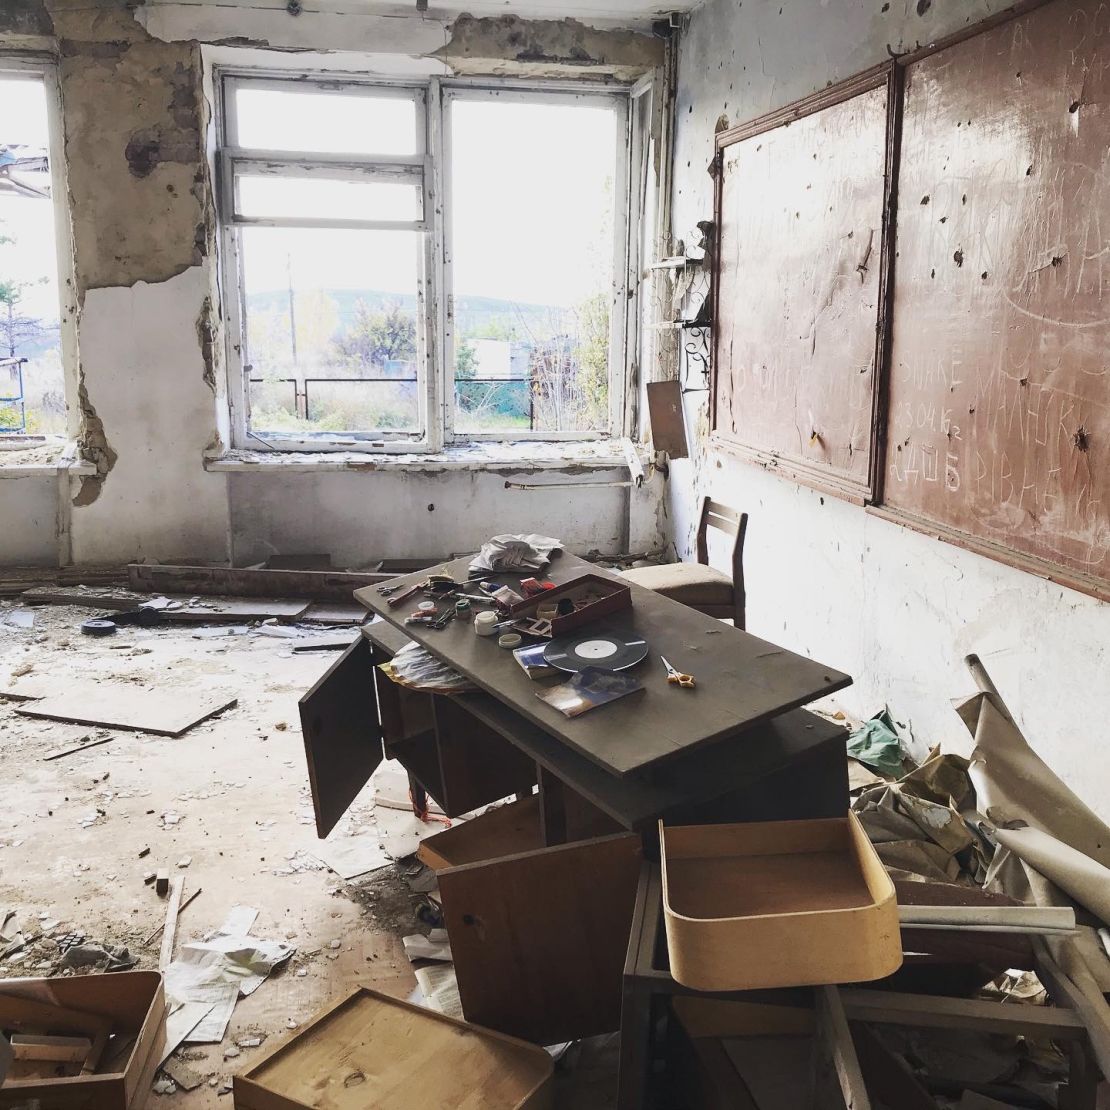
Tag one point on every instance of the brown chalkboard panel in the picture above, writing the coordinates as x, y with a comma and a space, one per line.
799, 283
998, 422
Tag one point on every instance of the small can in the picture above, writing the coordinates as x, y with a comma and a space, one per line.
462, 606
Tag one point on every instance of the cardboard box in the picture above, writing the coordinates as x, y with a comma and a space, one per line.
370, 1050
128, 1004
777, 904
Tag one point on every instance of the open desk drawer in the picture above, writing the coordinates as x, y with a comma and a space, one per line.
538, 935
370, 1050
777, 904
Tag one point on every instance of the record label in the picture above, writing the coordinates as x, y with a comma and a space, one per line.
605, 650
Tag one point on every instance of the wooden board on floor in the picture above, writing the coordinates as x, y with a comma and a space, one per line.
320, 585
164, 712
334, 612
213, 610
539, 938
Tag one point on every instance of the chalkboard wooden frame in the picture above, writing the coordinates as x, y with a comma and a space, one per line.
806, 471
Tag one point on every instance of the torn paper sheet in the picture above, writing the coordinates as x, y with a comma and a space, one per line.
531, 552
217, 971
434, 946
439, 990
1084, 879
351, 856
182, 1021
400, 833
1012, 781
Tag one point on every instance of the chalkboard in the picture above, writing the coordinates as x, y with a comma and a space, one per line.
998, 420
799, 281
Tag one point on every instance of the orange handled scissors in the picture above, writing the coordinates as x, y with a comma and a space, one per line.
678, 678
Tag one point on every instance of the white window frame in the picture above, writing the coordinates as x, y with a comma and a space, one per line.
35, 68
436, 339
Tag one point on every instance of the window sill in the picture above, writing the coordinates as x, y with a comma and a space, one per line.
42, 460
509, 458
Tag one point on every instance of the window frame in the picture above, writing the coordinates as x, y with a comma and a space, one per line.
35, 67
435, 354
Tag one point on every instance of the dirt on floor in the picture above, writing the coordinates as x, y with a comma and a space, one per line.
230, 798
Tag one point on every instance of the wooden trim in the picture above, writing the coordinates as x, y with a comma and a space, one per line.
1084, 584
863, 82
1022, 7
795, 470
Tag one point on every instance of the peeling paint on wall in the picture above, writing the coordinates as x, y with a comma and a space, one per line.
25, 17
96, 449
508, 44
207, 330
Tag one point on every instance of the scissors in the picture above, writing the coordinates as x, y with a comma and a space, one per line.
678, 678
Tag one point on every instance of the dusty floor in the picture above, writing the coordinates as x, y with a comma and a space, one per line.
71, 830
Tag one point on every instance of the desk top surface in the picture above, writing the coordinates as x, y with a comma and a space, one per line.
742, 680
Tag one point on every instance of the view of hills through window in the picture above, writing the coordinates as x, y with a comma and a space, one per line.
32, 389
334, 318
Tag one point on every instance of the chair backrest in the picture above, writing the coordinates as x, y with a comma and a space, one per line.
732, 523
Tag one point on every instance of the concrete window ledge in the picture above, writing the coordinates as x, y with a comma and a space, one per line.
506, 457
42, 460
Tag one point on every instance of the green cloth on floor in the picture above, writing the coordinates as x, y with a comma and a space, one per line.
877, 745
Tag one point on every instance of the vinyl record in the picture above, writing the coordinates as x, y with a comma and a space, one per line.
608, 651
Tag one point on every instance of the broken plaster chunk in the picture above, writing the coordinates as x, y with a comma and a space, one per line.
184, 861
231, 1051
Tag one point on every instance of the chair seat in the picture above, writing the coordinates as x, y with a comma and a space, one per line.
691, 583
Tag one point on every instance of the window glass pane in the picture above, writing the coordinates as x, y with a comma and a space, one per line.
325, 122
32, 385
532, 193
333, 326
272, 196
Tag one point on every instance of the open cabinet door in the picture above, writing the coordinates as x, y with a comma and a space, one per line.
342, 736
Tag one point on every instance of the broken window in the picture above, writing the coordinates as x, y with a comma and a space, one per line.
32, 380
417, 265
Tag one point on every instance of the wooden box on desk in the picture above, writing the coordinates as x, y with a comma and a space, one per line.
603, 597
777, 904
370, 1050
134, 1005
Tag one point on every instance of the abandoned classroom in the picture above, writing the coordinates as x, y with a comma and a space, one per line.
554, 555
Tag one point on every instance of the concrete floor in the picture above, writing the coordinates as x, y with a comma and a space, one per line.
240, 785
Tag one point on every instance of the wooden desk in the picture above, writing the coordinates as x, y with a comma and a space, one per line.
538, 896
742, 680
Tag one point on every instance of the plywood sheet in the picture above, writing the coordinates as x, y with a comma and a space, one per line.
800, 210
164, 712
668, 424
999, 416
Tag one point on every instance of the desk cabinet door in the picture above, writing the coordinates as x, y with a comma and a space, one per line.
539, 938
342, 737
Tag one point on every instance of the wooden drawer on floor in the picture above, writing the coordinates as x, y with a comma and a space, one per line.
538, 936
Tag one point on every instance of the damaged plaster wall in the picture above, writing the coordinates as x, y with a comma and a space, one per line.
133, 120
410, 513
150, 382
894, 608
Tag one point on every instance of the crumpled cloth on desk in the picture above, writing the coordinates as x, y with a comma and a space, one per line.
531, 552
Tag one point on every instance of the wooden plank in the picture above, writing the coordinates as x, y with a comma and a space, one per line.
213, 611
169, 929
321, 585
186, 903
929, 1012
163, 712
61, 1050
888, 1077
539, 939
834, 1041
342, 737
742, 681
506, 830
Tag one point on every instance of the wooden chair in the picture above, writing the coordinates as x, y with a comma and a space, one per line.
699, 585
